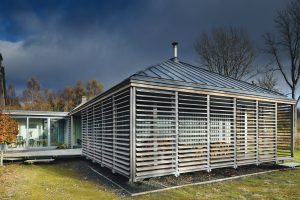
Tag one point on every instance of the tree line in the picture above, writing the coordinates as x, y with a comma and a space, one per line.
35, 97
230, 51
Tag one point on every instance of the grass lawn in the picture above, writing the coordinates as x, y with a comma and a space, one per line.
62, 181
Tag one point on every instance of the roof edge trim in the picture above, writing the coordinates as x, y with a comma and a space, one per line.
153, 85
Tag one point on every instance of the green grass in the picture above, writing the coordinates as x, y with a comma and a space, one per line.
277, 185
55, 181
64, 181
284, 184
297, 155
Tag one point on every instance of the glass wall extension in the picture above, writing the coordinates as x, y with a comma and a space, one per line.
39, 133
57, 128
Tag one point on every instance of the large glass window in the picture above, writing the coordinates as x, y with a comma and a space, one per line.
57, 131
77, 131
37, 133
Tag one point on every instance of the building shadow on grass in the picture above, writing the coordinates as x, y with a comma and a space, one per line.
118, 184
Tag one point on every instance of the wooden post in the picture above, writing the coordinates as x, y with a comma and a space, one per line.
234, 132
114, 133
176, 132
276, 156
208, 133
257, 133
93, 131
102, 135
294, 128
132, 134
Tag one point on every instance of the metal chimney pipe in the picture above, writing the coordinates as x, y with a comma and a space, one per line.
175, 44
83, 99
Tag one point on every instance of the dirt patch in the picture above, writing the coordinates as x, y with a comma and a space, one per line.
166, 181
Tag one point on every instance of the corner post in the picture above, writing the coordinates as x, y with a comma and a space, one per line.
132, 134
176, 132
114, 133
257, 133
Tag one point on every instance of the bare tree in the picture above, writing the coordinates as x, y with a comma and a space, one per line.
32, 94
228, 51
12, 101
285, 48
268, 81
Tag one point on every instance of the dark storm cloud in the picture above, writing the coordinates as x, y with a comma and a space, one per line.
64, 41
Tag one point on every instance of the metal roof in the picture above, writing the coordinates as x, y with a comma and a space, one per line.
183, 75
174, 72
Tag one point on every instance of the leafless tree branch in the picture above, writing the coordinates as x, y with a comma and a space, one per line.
228, 51
287, 45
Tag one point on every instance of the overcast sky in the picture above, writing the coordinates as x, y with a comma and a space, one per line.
61, 42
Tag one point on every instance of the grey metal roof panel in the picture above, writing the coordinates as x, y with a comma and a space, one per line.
177, 72
184, 75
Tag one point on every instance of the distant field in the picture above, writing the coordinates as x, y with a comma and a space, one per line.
62, 180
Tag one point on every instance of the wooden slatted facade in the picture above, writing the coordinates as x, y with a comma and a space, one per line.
165, 132
106, 132
174, 118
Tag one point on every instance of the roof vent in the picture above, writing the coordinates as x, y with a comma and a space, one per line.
175, 58
83, 99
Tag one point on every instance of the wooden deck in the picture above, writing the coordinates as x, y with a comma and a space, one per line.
54, 153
